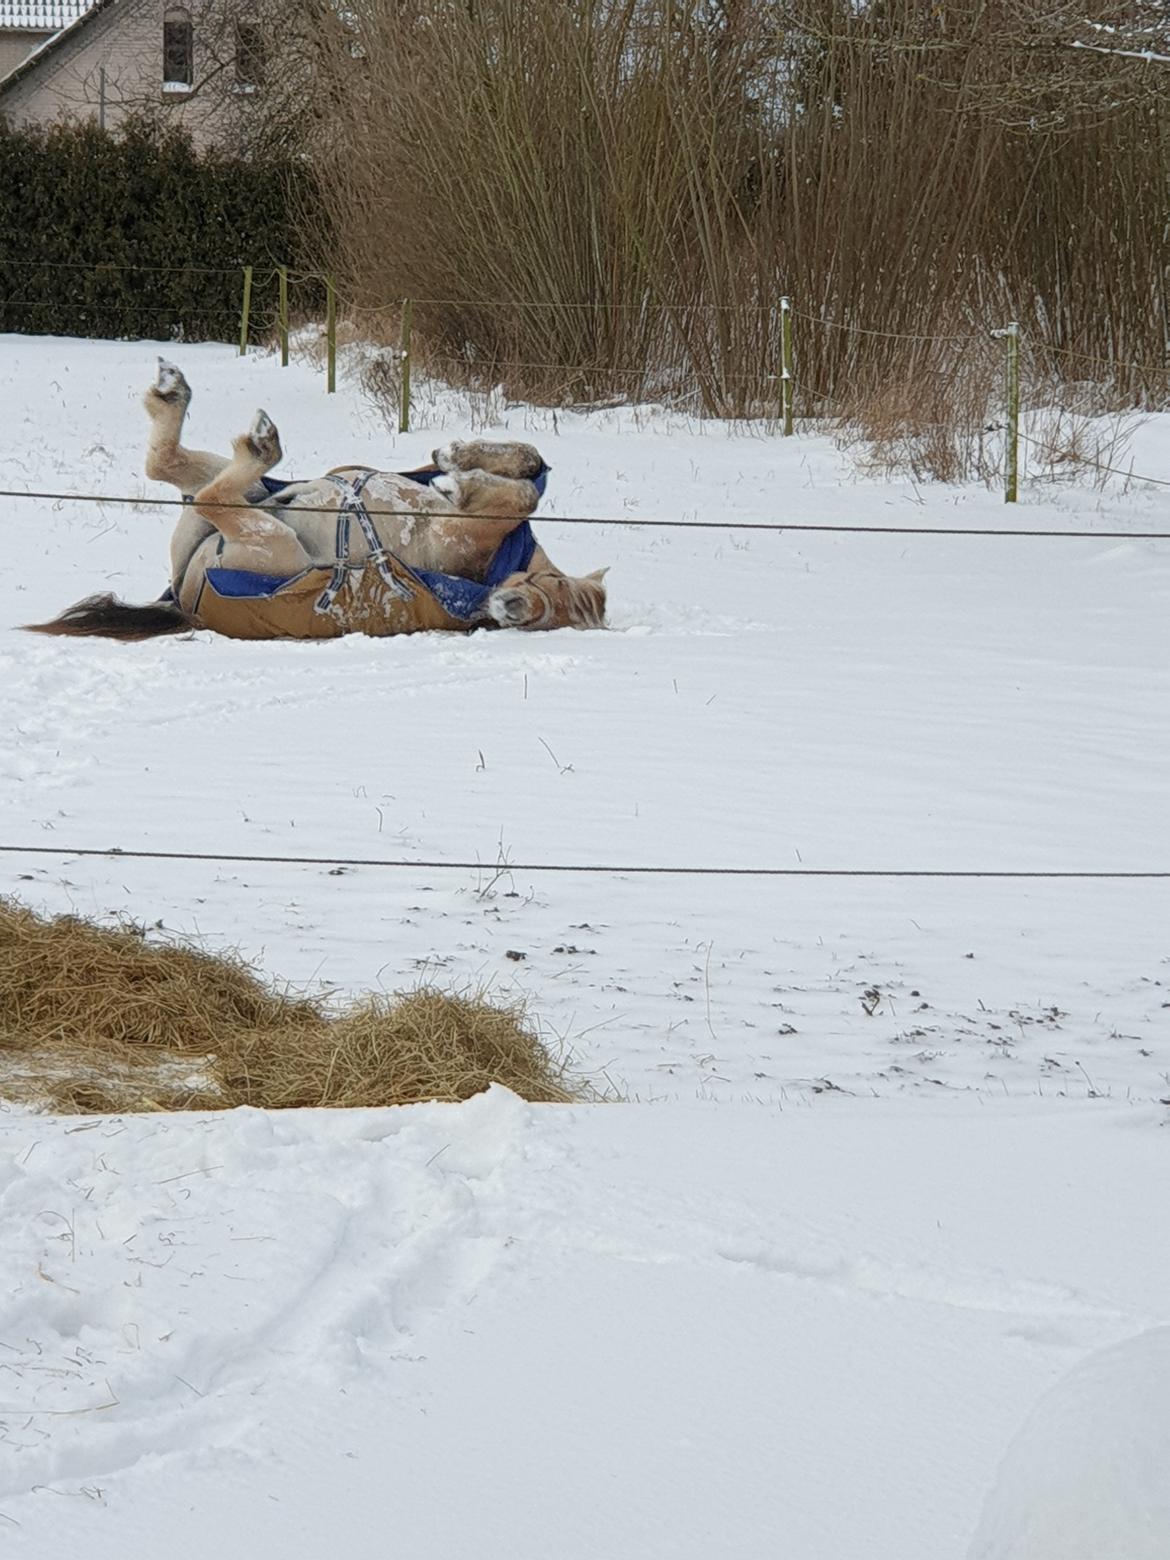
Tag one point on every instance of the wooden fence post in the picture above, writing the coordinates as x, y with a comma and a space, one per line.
1011, 457
282, 314
404, 398
786, 365
245, 309
330, 336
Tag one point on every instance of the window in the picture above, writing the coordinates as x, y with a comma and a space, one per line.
249, 55
178, 50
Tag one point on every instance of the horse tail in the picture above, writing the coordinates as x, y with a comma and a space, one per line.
105, 617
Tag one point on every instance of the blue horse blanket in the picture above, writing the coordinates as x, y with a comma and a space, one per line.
462, 598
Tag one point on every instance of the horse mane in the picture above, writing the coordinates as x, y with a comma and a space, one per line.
588, 610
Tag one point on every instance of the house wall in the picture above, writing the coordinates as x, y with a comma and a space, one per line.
16, 44
125, 40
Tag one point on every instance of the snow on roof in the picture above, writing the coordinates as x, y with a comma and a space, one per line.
41, 15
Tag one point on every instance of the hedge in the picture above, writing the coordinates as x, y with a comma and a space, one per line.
134, 234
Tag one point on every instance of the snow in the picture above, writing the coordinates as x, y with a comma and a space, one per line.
503, 1330
887, 1169
1086, 1476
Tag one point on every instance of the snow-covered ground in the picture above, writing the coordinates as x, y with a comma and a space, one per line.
1086, 1475
896, 1157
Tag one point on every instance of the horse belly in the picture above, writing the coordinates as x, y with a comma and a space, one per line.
189, 535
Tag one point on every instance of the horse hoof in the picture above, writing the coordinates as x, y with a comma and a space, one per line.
263, 440
450, 487
169, 382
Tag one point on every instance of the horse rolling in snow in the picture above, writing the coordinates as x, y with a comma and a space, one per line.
377, 552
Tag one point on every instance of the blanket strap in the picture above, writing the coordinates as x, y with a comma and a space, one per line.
352, 507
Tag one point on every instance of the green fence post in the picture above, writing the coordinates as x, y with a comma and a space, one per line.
786, 365
1011, 462
404, 398
245, 309
330, 336
282, 273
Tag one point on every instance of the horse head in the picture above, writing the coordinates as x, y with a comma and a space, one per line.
547, 599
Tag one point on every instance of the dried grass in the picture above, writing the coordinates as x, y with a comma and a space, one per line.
1065, 443
96, 1019
937, 422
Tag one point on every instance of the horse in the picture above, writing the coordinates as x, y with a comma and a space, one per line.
445, 546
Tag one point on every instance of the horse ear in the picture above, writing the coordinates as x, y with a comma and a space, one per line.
598, 574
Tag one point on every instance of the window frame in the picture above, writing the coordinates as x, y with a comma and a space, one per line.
177, 17
250, 54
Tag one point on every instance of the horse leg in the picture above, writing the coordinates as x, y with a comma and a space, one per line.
484, 477
521, 462
255, 538
483, 493
167, 460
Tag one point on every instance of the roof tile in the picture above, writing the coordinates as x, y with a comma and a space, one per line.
41, 15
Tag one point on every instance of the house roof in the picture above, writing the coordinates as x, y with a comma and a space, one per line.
40, 15
84, 12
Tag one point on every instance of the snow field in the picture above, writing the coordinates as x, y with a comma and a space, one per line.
895, 1160
514, 1330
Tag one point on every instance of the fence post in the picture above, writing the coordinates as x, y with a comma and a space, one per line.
282, 314
245, 309
404, 398
1011, 462
786, 365
330, 337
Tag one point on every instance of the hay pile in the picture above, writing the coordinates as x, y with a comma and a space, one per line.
96, 1019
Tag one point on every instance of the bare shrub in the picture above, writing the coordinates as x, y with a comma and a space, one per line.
98, 1019
607, 200
940, 422
1078, 442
